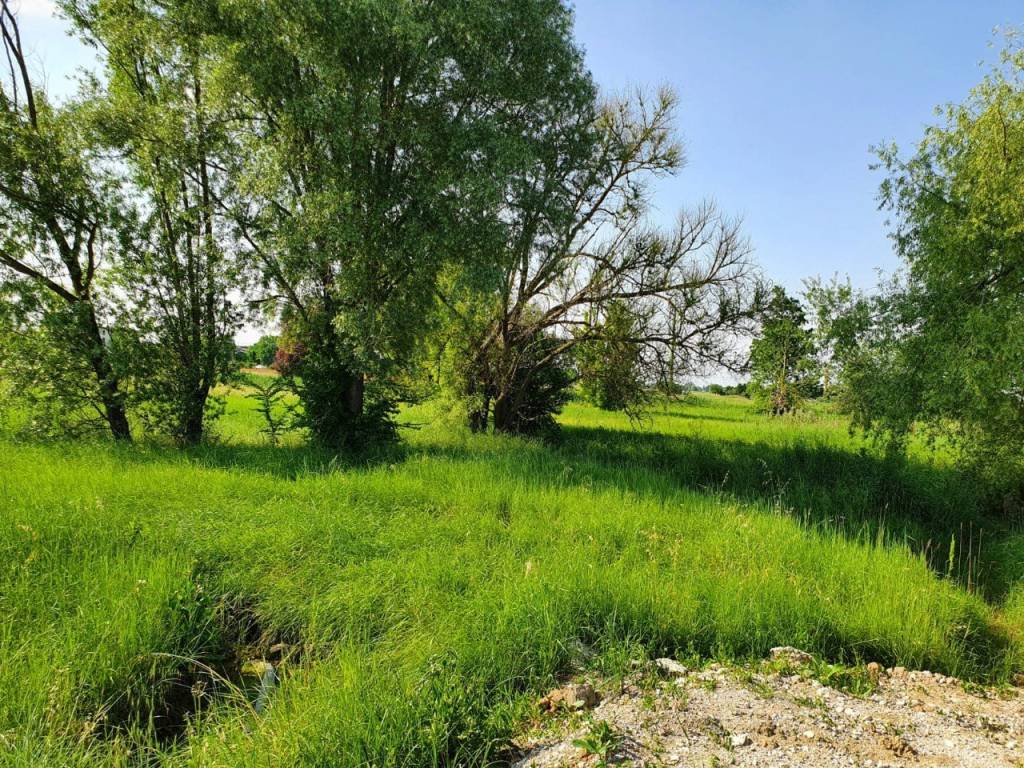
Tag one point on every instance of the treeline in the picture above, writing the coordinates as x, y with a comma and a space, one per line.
416, 194
435, 199
937, 349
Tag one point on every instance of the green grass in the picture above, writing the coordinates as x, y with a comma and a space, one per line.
426, 598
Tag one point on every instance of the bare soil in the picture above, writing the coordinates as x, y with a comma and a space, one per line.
756, 716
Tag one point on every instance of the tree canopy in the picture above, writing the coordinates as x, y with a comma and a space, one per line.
379, 179
939, 347
782, 369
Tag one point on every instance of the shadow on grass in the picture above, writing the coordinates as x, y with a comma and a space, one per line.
862, 495
283, 462
290, 462
828, 484
859, 494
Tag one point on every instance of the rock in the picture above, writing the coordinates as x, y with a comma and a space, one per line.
740, 740
571, 697
898, 746
793, 655
281, 651
898, 671
670, 668
267, 675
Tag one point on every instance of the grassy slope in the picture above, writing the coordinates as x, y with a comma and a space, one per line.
429, 595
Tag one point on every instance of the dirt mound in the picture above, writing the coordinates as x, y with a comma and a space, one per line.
747, 716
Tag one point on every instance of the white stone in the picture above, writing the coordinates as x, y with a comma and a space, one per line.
670, 667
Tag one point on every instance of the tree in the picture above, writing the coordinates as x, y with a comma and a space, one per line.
940, 348
579, 240
155, 110
375, 142
840, 318
263, 352
782, 370
59, 218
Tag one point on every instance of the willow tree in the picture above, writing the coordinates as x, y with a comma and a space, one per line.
377, 140
157, 110
939, 348
59, 217
580, 242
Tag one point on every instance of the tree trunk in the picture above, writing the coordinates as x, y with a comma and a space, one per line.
117, 416
192, 426
110, 387
478, 416
502, 413
355, 395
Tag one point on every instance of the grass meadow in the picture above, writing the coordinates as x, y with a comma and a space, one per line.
414, 606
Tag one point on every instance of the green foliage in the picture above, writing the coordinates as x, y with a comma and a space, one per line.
342, 409
60, 216
262, 353
157, 109
959, 215
579, 240
272, 402
728, 389
609, 362
386, 136
538, 389
782, 369
600, 741
938, 348
45, 361
127, 567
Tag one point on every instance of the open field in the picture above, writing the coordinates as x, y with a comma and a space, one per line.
414, 607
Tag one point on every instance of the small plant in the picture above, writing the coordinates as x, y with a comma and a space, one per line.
601, 741
278, 415
975, 689
748, 679
853, 680
811, 702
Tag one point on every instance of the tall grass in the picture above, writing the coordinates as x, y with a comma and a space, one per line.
423, 599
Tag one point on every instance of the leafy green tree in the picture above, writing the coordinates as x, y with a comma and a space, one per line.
782, 367
848, 335
59, 218
380, 141
540, 388
157, 109
263, 352
941, 347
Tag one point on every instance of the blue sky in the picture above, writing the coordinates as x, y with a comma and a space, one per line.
780, 102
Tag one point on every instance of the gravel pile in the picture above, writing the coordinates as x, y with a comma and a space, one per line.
669, 716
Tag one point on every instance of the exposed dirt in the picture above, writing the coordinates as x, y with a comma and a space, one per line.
755, 716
